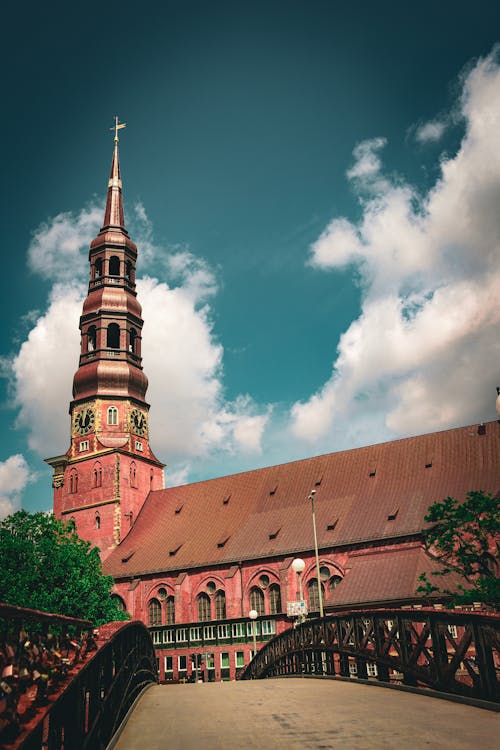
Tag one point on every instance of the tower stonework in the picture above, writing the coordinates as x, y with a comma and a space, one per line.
104, 478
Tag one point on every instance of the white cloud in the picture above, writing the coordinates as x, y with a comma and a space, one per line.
14, 477
421, 353
43, 371
367, 161
431, 131
190, 416
58, 247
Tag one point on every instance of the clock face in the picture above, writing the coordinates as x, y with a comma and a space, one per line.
139, 422
84, 421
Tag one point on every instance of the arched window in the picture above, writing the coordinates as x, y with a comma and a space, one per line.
133, 477
119, 602
274, 599
154, 609
98, 268
314, 595
257, 600
128, 270
112, 415
91, 338
113, 336
97, 521
220, 605
73, 481
334, 582
97, 475
114, 266
204, 612
170, 608
132, 342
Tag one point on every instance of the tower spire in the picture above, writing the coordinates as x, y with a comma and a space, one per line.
113, 214
103, 479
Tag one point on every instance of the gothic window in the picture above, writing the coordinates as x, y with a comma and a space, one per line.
119, 602
97, 475
132, 342
113, 336
314, 595
170, 608
91, 338
73, 481
257, 600
274, 599
97, 521
220, 605
204, 613
112, 415
114, 266
133, 477
334, 582
154, 610
98, 268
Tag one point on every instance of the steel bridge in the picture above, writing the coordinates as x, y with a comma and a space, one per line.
72, 692
448, 651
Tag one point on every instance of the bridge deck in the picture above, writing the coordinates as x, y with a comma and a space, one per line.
298, 713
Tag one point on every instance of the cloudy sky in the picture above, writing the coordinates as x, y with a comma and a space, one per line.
314, 188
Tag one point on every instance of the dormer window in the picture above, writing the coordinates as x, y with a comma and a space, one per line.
112, 415
138, 446
84, 446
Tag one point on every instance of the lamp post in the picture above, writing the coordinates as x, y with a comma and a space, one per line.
253, 614
320, 593
298, 566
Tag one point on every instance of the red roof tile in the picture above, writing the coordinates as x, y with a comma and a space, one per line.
357, 505
389, 576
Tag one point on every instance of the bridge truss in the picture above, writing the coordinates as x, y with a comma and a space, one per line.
450, 651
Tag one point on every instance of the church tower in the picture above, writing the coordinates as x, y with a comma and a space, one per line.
102, 481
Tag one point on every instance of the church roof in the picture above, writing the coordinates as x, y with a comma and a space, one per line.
387, 577
376, 493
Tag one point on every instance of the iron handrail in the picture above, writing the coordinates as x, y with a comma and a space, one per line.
456, 652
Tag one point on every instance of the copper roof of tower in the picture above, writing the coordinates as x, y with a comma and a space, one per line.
113, 214
372, 494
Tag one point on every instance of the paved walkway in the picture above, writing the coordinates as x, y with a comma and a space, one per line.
298, 713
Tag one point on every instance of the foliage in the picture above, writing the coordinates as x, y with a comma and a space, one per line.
45, 565
464, 539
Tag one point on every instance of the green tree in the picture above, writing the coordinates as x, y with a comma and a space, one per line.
45, 565
464, 539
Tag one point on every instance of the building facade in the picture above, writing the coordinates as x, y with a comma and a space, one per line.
193, 561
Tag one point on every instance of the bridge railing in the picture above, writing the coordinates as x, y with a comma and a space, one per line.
450, 651
61, 696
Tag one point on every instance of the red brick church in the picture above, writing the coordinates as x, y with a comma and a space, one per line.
193, 561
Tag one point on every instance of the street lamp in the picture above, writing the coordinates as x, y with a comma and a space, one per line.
298, 566
320, 593
253, 614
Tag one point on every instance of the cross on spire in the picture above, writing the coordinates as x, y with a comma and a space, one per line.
118, 126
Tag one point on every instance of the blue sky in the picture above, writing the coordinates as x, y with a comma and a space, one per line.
314, 190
